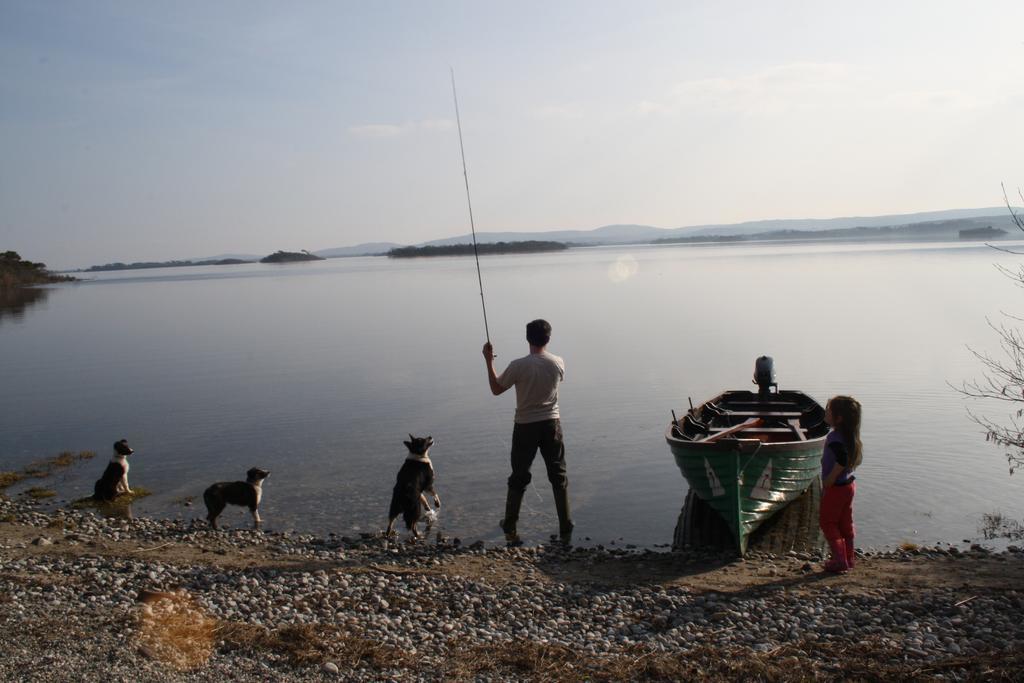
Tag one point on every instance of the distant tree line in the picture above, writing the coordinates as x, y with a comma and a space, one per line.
138, 265
526, 247
16, 272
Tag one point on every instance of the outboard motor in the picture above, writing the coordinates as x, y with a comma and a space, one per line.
764, 375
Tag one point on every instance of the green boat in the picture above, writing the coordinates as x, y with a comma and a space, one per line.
749, 454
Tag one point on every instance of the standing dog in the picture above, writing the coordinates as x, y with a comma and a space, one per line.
115, 477
414, 479
247, 493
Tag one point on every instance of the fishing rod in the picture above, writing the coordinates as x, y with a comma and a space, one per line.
469, 202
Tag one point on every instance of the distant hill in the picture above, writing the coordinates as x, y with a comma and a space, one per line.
248, 258
366, 249
991, 214
609, 234
629, 234
964, 228
941, 224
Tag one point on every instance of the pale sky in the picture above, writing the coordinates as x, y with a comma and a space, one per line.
152, 131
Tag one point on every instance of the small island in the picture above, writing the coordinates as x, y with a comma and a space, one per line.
17, 272
291, 257
527, 247
140, 265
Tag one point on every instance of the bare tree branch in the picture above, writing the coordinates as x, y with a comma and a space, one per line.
1018, 221
1002, 377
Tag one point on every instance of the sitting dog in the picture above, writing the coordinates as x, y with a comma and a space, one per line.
414, 479
247, 493
115, 477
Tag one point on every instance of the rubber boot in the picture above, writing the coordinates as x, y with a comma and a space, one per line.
851, 555
513, 501
565, 524
837, 563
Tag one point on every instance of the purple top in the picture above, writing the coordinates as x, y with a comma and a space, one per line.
836, 452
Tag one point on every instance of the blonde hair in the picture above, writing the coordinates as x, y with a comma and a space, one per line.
847, 409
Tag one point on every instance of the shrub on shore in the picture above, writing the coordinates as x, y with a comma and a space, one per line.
18, 272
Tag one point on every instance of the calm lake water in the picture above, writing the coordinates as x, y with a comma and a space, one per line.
318, 371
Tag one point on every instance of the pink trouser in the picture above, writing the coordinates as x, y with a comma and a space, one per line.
836, 513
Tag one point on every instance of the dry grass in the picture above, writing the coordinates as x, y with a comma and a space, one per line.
175, 631
312, 644
866, 661
39, 493
909, 547
44, 468
119, 504
40, 469
10, 478
521, 659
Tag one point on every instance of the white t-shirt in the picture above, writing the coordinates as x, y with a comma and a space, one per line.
536, 379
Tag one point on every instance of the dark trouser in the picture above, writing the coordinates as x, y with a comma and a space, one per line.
526, 439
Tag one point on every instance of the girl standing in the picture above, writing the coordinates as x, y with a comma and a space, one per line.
841, 456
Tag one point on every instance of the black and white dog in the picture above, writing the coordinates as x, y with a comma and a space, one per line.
414, 479
247, 493
115, 477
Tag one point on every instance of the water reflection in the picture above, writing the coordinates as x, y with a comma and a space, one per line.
15, 301
316, 372
997, 525
116, 510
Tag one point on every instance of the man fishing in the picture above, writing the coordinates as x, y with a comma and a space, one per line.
537, 425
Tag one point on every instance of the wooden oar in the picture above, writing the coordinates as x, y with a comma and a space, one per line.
752, 422
795, 426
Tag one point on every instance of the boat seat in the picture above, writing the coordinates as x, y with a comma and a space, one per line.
764, 413
768, 430
715, 409
696, 424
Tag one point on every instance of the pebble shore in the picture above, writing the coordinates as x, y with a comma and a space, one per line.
370, 609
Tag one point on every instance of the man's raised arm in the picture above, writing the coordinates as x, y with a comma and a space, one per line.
492, 377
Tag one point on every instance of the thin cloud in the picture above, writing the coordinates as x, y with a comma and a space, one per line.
773, 90
376, 130
390, 130
558, 112
435, 124
809, 86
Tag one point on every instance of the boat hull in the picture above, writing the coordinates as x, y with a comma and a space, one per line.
746, 480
